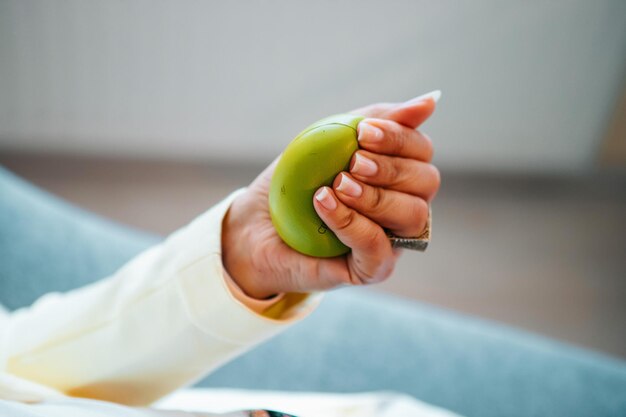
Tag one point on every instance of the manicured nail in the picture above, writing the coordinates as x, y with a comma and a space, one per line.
326, 199
349, 187
364, 166
369, 132
435, 95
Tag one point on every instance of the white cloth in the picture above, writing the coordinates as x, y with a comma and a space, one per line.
301, 404
228, 402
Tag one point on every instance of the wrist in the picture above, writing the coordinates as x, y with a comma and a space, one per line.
237, 251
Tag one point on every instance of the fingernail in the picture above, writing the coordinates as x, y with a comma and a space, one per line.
349, 187
326, 199
364, 166
369, 132
435, 95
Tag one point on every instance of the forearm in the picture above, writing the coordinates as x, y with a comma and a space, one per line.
162, 321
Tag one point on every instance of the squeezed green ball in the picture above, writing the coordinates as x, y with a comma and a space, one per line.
312, 160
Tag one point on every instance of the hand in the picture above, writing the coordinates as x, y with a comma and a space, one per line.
390, 184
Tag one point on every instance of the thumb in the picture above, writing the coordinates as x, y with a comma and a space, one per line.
411, 113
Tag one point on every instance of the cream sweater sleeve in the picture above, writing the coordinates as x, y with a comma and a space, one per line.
162, 321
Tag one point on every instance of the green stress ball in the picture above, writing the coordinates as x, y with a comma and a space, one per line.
313, 159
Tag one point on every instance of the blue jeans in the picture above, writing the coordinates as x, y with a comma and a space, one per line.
355, 341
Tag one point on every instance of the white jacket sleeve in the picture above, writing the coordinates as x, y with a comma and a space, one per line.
162, 321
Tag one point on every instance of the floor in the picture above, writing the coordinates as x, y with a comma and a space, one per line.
545, 254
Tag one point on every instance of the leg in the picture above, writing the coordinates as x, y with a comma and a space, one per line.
48, 245
358, 341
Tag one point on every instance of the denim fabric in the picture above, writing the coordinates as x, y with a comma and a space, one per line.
49, 245
360, 341
355, 341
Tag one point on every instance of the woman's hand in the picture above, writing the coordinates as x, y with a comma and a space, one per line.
389, 186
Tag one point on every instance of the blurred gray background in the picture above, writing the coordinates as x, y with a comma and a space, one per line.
150, 111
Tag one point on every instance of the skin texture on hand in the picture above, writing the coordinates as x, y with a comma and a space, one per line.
390, 185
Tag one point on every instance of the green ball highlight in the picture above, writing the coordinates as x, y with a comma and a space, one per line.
312, 160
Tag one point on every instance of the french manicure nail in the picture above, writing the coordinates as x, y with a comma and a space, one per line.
369, 132
326, 199
349, 187
364, 166
435, 95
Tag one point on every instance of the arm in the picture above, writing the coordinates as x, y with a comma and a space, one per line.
157, 324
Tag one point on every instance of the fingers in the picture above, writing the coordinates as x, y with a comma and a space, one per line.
403, 214
393, 155
372, 258
391, 138
418, 178
390, 186
411, 113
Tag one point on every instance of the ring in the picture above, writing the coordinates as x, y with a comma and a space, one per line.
419, 243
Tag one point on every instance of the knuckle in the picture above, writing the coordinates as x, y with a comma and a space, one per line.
414, 220
377, 200
419, 216
397, 138
394, 172
435, 177
429, 149
374, 268
372, 241
376, 241
346, 220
